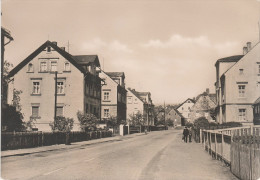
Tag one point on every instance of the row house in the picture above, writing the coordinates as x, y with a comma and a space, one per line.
238, 85
77, 84
140, 102
185, 109
113, 96
205, 103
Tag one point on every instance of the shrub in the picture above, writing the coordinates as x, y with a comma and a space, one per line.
11, 120
188, 124
62, 124
231, 124
88, 122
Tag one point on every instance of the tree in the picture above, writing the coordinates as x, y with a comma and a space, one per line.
12, 120
201, 123
136, 119
213, 113
62, 124
87, 121
169, 122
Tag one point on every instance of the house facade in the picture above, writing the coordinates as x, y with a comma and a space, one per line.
185, 109
78, 87
176, 117
140, 102
113, 95
205, 103
240, 88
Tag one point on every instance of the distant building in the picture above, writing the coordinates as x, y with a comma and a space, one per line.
140, 102
113, 95
185, 108
205, 103
238, 87
176, 117
78, 85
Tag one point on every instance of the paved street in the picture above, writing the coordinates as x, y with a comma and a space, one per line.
158, 155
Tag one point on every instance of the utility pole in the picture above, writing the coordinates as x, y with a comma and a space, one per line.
55, 97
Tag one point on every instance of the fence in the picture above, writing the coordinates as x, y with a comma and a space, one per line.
237, 147
19, 140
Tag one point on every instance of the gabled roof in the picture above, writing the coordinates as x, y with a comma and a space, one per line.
135, 93
212, 97
229, 59
176, 112
222, 76
62, 52
185, 102
116, 74
87, 59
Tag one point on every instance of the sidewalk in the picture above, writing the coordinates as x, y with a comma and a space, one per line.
22, 152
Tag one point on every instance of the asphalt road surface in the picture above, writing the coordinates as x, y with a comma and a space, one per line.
157, 155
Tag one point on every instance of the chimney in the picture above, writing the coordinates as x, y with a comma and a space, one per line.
248, 46
63, 48
244, 50
54, 42
207, 90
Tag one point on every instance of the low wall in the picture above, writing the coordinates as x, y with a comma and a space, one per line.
20, 140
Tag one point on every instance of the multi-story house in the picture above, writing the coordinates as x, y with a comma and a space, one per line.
140, 102
204, 105
77, 84
222, 65
239, 87
113, 95
185, 109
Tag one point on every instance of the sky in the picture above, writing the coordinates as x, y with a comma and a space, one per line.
166, 47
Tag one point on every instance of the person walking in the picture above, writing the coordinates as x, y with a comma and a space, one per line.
190, 135
185, 134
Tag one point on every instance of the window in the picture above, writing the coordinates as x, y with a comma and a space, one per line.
30, 67
241, 71
135, 101
67, 66
53, 66
35, 111
106, 96
241, 90
43, 66
59, 111
60, 87
36, 88
242, 114
106, 113
129, 100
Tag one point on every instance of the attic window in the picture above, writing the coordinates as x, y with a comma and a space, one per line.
48, 49
67, 66
241, 71
30, 67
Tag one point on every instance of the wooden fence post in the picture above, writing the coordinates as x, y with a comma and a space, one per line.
222, 145
216, 145
200, 135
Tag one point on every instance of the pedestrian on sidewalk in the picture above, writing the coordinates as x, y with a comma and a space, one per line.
185, 134
190, 134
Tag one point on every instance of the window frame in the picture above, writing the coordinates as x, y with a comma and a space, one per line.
106, 113
51, 63
39, 87
241, 91
38, 113
242, 115
46, 66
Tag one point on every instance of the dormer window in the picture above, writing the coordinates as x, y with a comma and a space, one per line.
67, 66
241, 71
30, 67
49, 49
